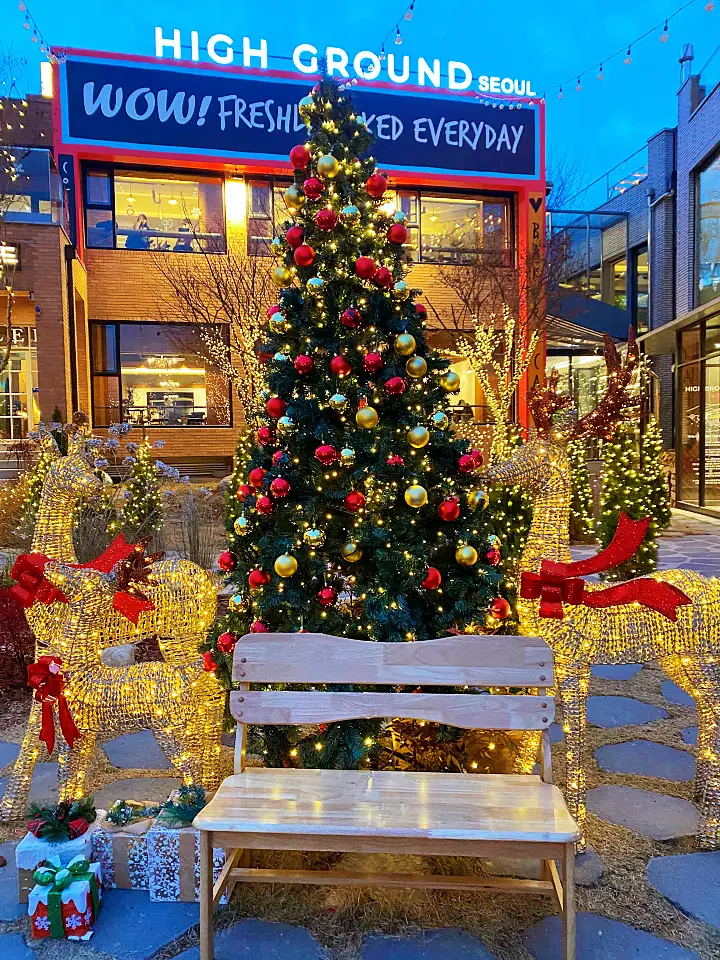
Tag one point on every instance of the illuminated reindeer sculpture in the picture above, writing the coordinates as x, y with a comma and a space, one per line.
672, 617
181, 607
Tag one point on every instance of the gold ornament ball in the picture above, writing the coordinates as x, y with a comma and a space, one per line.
440, 420
466, 555
327, 167
347, 456
401, 291
306, 106
294, 197
314, 537
277, 247
241, 526
404, 344
338, 401
416, 367
416, 496
350, 213
285, 565
351, 552
282, 276
418, 437
477, 498
285, 425
450, 382
278, 323
367, 418
236, 604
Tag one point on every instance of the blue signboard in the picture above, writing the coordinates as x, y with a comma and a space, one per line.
160, 107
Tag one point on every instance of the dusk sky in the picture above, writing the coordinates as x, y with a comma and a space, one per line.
545, 43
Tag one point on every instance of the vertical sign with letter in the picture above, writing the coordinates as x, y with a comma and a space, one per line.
66, 167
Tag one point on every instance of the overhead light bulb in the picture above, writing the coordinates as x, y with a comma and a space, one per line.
664, 34
382, 52
560, 94
709, 7
409, 11
628, 56
600, 75
26, 22
398, 38
578, 88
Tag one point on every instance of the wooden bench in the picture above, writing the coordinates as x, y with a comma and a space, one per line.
432, 814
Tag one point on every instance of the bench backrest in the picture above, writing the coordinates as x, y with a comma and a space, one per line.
461, 661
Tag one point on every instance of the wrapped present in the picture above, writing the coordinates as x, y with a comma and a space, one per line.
174, 863
122, 851
33, 850
65, 901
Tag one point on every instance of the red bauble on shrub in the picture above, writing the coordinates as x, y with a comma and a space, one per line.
226, 642
280, 487
304, 255
256, 476
433, 579
327, 596
466, 463
265, 436
259, 627
209, 661
227, 561
449, 509
365, 267
383, 278
295, 236
372, 362
326, 454
243, 491
325, 219
340, 366
275, 308
276, 407
264, 505
258, 578
500, 608
304, 364
313, 188
397, 233
300, 156
421, 310
394, 386
351, 318
376, 185
354, 501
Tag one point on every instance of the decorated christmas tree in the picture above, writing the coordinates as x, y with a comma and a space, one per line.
357, 512
582, 521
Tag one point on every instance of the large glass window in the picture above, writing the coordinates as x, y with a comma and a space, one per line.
690, 388
708, 239
267, 212
445, 229
18, 409
138, 210
641, 274
153, 374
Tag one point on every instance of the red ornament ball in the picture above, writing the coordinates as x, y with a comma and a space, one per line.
395, 460
383, 278
256, 476
227, 561
304, 255
313, 188
449, 509
365, 267
300, 156
340, 366
280, 487
376, 185
258, 578
493, 557
354, 501
275, 308
325, 219
397, 233
259, 627
466, 463
277, 457
477, 457
242, 492
295, 236
372, 362
265, 436
433, 579
351, 318
209, 661
226, 642
327, 596
421, 310
395, 386
500, 608
304, 364
276, 407
326, 454
264, 505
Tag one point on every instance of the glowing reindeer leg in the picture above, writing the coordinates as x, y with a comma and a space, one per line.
13, 805
573, 680
74, 765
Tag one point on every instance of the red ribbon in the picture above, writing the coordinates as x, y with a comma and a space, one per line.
559, 583
33, 587
46, 679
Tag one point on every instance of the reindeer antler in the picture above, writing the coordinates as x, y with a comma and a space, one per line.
544, 402
611, 409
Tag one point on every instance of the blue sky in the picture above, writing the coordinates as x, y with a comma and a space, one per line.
544, 42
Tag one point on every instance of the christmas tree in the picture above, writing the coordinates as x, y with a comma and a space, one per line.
141, 513
357, 512
634, 483
582, 521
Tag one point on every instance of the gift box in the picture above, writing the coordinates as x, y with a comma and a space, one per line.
122, 852
32, 851
65, 901
174, 863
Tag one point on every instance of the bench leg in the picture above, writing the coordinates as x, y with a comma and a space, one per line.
568, 913
207, 951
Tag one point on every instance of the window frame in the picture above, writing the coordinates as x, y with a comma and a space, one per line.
117, 376
111, 168
707, 162
272, 182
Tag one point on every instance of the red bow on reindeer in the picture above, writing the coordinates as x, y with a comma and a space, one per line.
46, 679
559, 583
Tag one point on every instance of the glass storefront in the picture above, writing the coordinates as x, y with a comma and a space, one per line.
18, 404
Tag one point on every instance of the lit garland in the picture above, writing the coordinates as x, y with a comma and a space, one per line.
141, 513
582, 521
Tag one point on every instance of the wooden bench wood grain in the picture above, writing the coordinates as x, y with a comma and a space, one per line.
432, 814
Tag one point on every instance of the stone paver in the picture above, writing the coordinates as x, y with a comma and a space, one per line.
621, 711
136, 751
44, 783
691, 881
690, 735
8, 752
13, 947
650, 814
616, 671
588, 867
646, 759
446, 944
131, 926
675, 694
259, 940
156, 789
601, 939
10, 909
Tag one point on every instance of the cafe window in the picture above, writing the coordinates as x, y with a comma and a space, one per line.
18, 384
640, 288
139, 210
456, 230
266, 213
154, 375
708, 232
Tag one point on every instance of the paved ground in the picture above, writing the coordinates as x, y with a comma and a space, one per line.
640, 766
